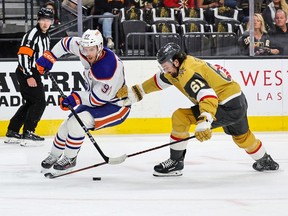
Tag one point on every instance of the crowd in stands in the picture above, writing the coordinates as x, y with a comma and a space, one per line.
192, 16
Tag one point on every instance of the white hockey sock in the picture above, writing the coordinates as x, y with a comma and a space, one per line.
178, 146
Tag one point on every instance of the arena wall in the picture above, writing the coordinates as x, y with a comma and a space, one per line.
264, 81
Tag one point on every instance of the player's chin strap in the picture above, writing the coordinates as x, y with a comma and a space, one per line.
51, 176
108, 160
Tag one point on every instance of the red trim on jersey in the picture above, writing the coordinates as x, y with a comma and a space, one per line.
208, 96
175, 138
155, 80
256, 149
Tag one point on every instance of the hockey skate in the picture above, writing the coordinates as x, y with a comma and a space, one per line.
31, 139
265, 163
169, 168
63, 165
29, 135
48, 162
13, 137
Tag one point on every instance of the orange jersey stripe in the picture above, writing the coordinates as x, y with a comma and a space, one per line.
95, 102
25, 51
99, 124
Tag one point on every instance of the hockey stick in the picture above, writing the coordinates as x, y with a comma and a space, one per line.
51, 176
108, 160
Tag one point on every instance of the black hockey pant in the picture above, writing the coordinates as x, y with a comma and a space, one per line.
30, 113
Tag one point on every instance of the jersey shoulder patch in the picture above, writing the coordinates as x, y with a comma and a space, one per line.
105, 68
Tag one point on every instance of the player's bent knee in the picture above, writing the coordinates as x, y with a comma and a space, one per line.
74, 127
181, 120
63, 130
247, 141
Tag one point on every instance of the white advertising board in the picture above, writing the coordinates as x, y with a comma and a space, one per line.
265, 83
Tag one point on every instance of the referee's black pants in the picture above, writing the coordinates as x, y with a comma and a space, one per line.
29, 114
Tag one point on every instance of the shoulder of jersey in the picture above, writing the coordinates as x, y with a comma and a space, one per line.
106, 66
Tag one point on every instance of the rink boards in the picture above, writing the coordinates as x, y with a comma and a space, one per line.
264, 81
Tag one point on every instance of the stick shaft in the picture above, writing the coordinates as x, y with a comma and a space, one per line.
78, 119
130, 155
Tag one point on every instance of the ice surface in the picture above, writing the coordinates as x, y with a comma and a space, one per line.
218, 180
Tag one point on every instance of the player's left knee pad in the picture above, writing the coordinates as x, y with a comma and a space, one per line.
182, 119
63, 130
73, 126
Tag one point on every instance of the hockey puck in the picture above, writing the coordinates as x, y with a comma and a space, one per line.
96, 178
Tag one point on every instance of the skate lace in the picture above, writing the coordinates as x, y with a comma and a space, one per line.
64, 160
168, 163
50, 159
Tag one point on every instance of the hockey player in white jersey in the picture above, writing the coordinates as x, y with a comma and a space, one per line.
98, 104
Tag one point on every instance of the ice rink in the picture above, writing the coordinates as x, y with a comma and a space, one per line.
218, 180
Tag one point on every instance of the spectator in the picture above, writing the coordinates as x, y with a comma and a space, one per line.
51, 5
269, 12
109, 8
147, 12
208, 6
262, 43
280, 33
243, 8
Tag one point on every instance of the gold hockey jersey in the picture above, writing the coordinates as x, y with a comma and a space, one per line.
204, 84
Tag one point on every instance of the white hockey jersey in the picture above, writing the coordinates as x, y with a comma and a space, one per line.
103, 78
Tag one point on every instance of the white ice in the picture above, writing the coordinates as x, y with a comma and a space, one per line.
218, 180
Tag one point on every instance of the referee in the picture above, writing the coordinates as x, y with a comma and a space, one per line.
33, 44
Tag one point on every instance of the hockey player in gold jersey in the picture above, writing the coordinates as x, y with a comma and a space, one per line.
217, 101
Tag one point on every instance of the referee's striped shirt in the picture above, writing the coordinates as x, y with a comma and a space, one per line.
33, 44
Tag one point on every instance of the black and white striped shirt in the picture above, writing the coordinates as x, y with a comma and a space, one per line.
33, 44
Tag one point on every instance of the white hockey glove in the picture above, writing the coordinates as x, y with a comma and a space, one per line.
203, 130
135, 94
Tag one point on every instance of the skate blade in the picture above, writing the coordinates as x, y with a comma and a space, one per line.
54, 172
44, 171
170, 174
31, 143
13, 141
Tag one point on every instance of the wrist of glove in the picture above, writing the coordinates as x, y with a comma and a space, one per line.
72, 101
122, 92
135, 94
45, 62
203, 130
